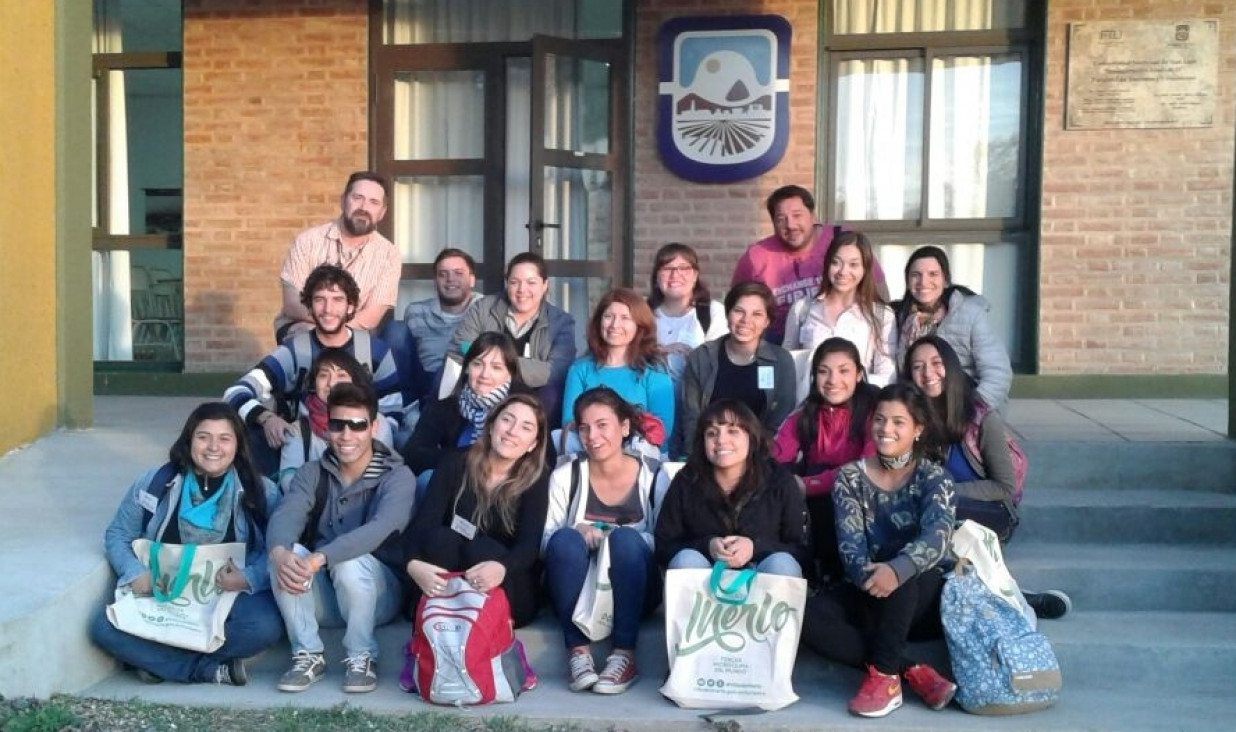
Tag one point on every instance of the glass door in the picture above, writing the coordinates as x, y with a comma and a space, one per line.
575, 201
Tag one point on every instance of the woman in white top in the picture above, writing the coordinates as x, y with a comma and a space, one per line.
847, 306
686, 314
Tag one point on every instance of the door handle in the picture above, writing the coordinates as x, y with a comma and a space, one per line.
538, 226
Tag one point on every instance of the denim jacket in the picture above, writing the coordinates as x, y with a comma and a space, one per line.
127, 525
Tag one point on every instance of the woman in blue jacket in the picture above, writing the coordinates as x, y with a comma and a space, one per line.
210, 494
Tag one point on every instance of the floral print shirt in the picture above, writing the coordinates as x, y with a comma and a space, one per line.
908, 528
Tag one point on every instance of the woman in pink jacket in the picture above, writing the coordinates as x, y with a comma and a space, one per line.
827, 431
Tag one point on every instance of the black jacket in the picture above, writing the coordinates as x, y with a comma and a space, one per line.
694, 511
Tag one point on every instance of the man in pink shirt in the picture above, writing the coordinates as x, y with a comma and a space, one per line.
791, 261
353, 243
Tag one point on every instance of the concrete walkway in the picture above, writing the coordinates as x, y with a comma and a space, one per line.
57, 495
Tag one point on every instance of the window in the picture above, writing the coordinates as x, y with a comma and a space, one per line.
138, 179
931, 118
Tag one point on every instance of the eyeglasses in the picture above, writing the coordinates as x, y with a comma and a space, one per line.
356, 424
678, 270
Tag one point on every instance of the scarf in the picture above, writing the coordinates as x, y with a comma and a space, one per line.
922, 321
318, 414
475, 408
203, 520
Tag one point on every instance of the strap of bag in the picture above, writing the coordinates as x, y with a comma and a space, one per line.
703, 313
309, 536
736, 592
159, 484
182, 573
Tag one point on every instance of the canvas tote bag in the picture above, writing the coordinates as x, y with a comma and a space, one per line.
980, 546
187, 610
732, 637
594, 610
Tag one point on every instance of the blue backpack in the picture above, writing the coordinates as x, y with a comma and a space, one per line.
1002, 666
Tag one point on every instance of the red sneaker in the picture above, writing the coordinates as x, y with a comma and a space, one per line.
933, 688
879, 695
618, 675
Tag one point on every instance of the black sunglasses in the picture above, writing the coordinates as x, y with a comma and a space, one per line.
356, 424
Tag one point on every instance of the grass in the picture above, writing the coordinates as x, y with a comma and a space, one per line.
78, 714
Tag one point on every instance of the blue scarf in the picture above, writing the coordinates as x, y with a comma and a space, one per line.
203, 520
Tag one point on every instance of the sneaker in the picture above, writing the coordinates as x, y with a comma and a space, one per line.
232, 673
582, 669
1049, 605
361, 675
879, 695
618, 675
935, 690
148, 678
307, 669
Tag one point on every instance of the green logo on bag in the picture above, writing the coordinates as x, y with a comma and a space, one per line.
199, 588
730, 626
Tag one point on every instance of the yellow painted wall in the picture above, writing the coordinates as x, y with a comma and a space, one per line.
28, 285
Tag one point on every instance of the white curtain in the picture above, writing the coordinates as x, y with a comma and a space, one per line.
879, 124
909, 16
113, 323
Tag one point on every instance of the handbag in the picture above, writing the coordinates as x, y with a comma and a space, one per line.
187, 610
980, 547
732, 637
594, 610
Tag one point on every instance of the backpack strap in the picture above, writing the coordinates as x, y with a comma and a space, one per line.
306, 438
574, 482
157, 487
309, 536
703, 313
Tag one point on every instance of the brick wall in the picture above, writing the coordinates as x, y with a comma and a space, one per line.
1136, 224
275, 117
718, 220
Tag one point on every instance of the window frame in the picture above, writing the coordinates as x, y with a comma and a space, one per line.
1023, 228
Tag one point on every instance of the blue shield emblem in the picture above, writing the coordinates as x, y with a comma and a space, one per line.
724, 96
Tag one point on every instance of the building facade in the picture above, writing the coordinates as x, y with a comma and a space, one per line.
1104, 251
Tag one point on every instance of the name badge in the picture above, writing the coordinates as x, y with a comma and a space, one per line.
765, 377
147, 501
463, 527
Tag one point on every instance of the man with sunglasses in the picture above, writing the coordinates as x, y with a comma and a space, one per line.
344, 514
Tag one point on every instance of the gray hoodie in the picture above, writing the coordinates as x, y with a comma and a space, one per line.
357, 519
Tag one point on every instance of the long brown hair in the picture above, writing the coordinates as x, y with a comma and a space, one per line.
526, 471
643, 350
866, 294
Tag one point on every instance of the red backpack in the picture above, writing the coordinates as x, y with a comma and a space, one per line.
464, 648
1017, 455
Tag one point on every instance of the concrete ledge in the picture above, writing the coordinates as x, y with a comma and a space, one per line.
47, 650
143, 380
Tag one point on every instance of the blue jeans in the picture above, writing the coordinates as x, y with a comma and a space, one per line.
632, 575
252, 626
781, 563
359, 595
403, 352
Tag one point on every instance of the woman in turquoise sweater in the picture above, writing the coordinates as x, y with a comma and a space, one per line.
623, 354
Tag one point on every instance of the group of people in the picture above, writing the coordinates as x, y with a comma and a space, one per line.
359, 476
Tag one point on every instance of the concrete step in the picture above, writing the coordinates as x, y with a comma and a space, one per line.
1162, 466
1130, 577
1115, 678
1113, 515
1146, 652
